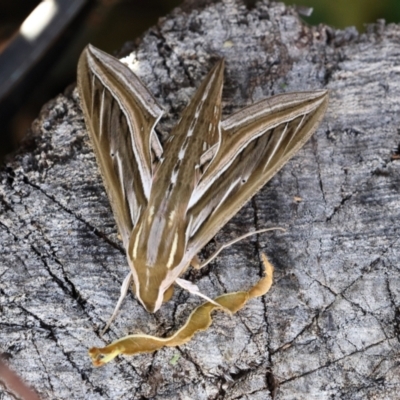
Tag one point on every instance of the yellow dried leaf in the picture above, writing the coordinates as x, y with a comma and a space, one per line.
199, 320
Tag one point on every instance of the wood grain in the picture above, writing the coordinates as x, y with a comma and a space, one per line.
329, 327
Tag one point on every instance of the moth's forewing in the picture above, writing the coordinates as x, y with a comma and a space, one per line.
256, 142
120, 114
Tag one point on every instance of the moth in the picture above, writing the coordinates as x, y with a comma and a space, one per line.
170, 199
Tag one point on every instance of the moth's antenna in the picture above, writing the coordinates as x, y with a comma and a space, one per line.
224, 246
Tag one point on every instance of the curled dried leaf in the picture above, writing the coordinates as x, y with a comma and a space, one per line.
199, 320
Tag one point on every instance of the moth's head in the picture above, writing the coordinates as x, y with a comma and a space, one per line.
150, 287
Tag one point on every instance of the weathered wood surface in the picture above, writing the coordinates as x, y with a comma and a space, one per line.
330, 326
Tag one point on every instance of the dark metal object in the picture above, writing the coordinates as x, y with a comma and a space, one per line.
24, 63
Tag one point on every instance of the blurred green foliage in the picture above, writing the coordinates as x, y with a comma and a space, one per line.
344, 13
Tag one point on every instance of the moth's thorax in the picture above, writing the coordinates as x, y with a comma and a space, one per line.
158, 242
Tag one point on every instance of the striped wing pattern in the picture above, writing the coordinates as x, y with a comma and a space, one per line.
120, 115
169, 202
255, 143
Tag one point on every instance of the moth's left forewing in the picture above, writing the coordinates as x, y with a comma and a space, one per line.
255, 143
120, 115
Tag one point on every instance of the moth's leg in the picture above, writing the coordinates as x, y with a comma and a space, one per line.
196, 264
124, 291
194, 289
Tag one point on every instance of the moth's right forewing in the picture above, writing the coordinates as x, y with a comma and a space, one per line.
120, 115
256, 142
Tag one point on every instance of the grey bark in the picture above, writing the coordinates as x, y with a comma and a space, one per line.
330, 326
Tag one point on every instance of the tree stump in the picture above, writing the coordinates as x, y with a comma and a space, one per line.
330, 326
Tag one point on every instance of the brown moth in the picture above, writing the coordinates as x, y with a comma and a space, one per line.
170, 199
